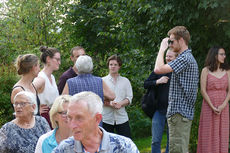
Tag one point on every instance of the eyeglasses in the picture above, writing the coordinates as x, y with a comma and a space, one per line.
63, 113
222, 54
21, 104
170, 42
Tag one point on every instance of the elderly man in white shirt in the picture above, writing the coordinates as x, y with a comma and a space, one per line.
115, 117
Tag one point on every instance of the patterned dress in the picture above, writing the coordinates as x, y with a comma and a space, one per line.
14, 139
213, 128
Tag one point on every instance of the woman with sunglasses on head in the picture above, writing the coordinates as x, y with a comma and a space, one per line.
45, 82
58, 117
21, 134
215, 89
28, 68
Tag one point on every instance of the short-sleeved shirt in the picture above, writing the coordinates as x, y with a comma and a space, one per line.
14, 139
47, 142
86, 82
123, 90
183, 85
70, 73
111, 143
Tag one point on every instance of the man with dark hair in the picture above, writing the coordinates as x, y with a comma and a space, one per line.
183, 87
72, 71
115, 116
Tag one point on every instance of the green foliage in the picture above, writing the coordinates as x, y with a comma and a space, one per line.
23, 28
144, 144
139, 123
195, 124
7, 80
131, 29
134, 30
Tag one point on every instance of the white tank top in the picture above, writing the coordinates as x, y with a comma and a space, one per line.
50, 92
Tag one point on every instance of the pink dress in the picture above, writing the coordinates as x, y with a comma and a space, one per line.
214, 129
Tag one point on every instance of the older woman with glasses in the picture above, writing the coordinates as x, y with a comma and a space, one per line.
58, 117
22, 133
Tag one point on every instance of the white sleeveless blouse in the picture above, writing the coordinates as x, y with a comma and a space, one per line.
50, 92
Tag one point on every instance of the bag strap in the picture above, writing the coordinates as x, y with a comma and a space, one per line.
17, 87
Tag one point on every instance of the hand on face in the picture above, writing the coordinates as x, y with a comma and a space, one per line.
164, 44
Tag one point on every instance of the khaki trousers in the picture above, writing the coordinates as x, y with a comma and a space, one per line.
179, 133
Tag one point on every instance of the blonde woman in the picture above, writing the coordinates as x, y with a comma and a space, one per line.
58, 117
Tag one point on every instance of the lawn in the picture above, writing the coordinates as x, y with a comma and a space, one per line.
144, 144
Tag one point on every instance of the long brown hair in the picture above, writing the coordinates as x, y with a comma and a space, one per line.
211, 60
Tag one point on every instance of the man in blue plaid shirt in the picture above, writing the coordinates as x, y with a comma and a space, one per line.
183, 87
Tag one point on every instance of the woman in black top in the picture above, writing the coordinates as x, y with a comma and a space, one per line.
28, 68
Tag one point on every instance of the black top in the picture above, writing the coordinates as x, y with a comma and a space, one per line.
64, 77
162, 90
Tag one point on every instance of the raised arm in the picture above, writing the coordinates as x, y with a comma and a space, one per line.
160, 66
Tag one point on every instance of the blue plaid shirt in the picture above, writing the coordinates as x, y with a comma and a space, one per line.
86, 82
111, 143
183, 85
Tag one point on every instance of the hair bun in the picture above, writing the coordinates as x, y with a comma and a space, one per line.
43, 48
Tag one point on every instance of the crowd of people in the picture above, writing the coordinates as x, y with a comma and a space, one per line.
86, 113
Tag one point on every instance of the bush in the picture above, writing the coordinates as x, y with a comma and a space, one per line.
140, 124
7, 80
195, 124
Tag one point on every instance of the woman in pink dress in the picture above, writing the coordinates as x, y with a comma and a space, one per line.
214, 117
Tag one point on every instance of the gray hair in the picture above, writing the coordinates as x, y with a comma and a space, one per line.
30, 97
94, 102
84, 64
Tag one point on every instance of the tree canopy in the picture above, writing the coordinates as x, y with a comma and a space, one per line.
132, 29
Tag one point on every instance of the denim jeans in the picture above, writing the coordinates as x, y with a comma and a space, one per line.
158, 124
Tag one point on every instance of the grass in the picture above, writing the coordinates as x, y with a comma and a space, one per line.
144, 144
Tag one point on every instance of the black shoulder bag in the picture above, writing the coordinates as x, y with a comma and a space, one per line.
149, 102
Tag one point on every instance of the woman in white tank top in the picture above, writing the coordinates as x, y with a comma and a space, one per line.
45, 82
